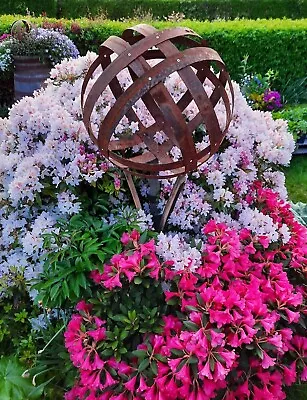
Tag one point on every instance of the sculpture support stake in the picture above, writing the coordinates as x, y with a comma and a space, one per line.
133, 190
159, 220
179, 184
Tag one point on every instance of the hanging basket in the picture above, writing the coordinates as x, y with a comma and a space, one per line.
29, 75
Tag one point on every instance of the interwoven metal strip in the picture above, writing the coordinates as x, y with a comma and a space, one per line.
175, 52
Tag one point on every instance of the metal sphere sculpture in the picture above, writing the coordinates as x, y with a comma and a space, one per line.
174, 51
20, 29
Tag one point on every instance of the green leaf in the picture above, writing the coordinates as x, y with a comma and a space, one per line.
191, 326
140, 353
120, 318
193, 360
65, 288
212, 364
143, 365
259, 353
107, 353
12, 385
181, 364
177, 352
161, 358
154, 367
54, 291
191, 308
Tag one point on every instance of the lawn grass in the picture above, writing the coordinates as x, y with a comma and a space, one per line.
296, 180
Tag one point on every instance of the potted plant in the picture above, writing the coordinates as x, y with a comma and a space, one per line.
31, 52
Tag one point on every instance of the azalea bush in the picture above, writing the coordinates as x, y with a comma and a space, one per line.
213, 307
232, 328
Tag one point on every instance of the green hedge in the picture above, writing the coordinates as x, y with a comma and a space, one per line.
277, 44
192, 9
36, 7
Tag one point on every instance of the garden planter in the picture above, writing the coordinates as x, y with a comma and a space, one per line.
29, 75
301, 145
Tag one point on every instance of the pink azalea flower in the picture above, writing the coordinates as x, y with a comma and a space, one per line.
130, 385
205, 371
267, 361
82, 306
112, 282
304, 374
293, 316
98, 334
142, 385
125, 239
108, 380
290, 374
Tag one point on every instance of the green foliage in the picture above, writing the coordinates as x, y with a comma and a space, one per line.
269, 43
254, 86
29, 6
300, 212
15, 312
13, 386
296, 179
297, 119
297, 392
194, 9
294, 92
83, 244
52, 368
130, 311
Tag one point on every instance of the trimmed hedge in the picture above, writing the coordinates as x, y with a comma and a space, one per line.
192, 9
36, 7
277, 44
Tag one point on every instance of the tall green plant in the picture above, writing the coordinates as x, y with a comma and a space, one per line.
14, 385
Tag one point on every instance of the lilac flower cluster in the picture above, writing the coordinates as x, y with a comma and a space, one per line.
54, 45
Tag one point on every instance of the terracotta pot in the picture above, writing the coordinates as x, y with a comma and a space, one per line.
29, 75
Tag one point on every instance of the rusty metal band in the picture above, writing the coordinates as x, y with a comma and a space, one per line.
137, 45
138, 67
121, 62
145, 83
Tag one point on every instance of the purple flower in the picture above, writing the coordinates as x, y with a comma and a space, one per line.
4, 37
272, 99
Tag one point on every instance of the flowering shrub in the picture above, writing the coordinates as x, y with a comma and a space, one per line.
5, 54
48, 45
257, 90
212, 307
233, 327
47, 161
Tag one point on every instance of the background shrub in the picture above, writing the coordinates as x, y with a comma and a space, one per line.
277, 44
36, 7
194, 9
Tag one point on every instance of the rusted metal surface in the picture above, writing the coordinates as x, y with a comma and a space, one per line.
177, 51
138, 45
